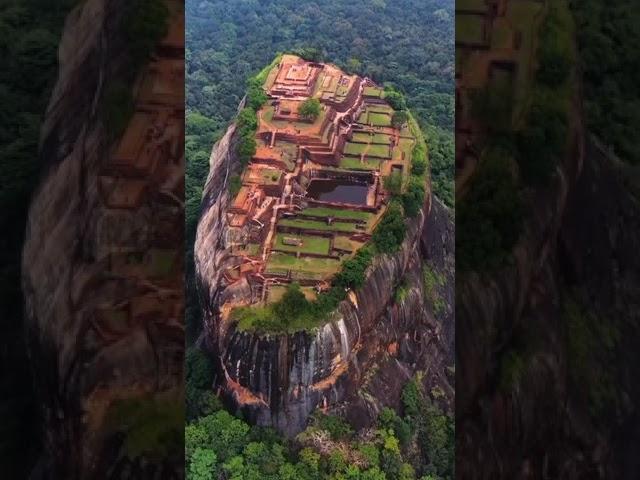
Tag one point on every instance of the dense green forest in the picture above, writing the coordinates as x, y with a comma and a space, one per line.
608, 39
28, 44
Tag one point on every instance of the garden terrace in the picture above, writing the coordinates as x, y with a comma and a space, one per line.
312, 192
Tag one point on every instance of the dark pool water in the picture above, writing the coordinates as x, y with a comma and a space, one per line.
343, 191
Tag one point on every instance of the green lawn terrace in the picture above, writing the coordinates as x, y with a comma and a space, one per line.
311, 244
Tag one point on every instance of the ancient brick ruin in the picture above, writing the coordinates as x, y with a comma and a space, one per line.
313, 192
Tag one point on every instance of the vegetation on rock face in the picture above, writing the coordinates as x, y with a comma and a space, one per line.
520, 152
608, 40
592, 356
152, 426
489, 221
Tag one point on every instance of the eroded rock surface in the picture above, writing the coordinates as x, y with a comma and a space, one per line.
102, 261
279, 380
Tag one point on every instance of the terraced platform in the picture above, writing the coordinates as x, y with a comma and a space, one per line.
313, 192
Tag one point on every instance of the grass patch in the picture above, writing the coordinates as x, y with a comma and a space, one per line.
372, 92
381, 151
291, 313
317, 225
270, 176
306, 264
277, 292
354, 148
344, 243
363, 137
336, 213
354, 163
379, 119
309, 244
381, 138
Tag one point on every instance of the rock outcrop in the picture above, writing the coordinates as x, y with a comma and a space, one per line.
105, 325
279, 380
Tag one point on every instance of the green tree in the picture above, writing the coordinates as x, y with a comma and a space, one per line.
396, 100
292, 304
310, 109
413, 198
201, 465
391, 230
418, 166
399, 118
393, 183
227, 435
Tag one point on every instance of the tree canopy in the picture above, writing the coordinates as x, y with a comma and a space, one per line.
310, 108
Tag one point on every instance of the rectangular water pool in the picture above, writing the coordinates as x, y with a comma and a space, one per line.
341, 191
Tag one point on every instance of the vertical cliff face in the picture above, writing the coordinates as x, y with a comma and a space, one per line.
493, 309
104, 324
520, 412
279, 380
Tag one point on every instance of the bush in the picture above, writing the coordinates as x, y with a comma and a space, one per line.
338, 427
353, 273
395, 99
493, 106
393, 183
391, 230
418, 166
198, 367
256, 96
247, 120
292, 304
419, 160
310, 108
542, 144
246, 148
554, 53
489, 219
413, 198
310, 54
399, 118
